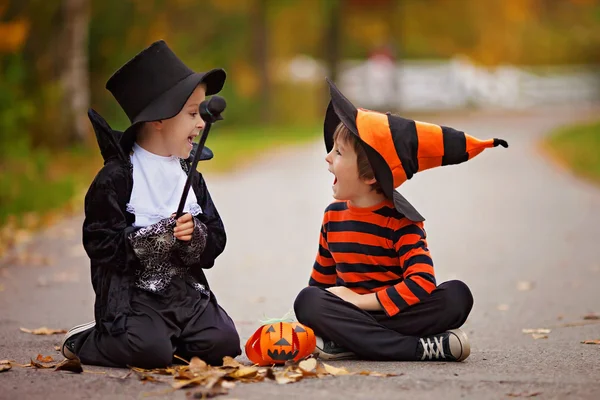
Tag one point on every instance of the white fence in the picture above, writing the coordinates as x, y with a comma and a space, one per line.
456, 83
435, 85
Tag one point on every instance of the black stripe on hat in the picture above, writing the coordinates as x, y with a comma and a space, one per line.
455, 146
406, 143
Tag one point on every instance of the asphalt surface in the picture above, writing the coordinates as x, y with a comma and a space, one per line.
523, 233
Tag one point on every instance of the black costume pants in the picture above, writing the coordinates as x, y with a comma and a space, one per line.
374, 335
181, 322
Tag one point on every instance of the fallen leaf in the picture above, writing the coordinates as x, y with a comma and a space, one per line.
143, 376
44, 359
591, 317
308, 365
1, 287
185, 383
165, 371
538, 330
335, 371
57, 348
372, 373
4, 362
537, 336
594, 341
182, 359
43, 331
270, 374
70, 365
36, 364
197, 365
244, 372
230, 362
578, 323
127, 375
320, 370
534, 394
524, 286
285, 377
5, 367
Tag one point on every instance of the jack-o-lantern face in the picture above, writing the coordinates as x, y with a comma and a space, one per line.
279, 342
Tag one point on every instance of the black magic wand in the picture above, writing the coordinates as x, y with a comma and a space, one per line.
210, 111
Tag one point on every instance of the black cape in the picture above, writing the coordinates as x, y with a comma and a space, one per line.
107, 224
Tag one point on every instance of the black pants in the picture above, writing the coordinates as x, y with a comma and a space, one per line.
181, 322
374, 335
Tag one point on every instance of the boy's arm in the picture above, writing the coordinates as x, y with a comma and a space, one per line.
215, 231
105, 227
324, 273
417, 268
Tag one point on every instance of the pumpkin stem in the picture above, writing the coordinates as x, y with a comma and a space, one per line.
288, 317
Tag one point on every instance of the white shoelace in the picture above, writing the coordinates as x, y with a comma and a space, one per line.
435, 349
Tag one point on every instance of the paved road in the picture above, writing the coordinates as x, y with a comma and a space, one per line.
505, 221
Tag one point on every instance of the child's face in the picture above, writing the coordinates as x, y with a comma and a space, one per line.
179, 131
347, 185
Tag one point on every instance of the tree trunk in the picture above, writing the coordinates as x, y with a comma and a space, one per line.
331, 39
74, 75
261, 57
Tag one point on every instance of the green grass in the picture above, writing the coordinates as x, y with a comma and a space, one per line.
46, 183
578, 147
234, 147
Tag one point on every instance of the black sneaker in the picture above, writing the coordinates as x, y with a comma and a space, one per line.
451, 345
328, 350
67, 347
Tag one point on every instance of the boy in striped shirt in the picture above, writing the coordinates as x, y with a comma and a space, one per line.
372, 293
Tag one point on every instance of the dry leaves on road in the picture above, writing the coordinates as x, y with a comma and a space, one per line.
44, 359
43, 331
206, 381
594, 341
591, 317
539, 333
47, 362
534, 394
5, 365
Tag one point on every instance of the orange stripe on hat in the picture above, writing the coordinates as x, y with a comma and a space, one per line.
475, 146
374, 129
431, 145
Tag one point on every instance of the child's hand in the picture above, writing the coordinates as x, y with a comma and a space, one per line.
345, 294
366, 302
184, 227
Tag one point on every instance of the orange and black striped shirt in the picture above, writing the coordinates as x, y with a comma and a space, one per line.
374, 250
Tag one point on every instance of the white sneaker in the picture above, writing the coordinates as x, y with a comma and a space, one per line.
451, 345
67, 347
328, 350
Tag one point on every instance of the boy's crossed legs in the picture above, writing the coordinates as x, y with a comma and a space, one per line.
407, 336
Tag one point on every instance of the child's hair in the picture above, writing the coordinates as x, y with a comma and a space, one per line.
365, 171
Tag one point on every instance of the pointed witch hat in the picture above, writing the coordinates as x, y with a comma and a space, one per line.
398, 148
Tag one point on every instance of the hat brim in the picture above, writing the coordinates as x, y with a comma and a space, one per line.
340, 109
170, 103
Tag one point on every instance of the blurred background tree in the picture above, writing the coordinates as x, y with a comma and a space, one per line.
56, 56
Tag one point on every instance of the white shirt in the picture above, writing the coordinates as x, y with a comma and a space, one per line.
158, 183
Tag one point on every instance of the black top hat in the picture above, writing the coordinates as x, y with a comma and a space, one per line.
155, 84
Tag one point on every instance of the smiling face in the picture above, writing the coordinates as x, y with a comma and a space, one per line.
178, 132
343, 163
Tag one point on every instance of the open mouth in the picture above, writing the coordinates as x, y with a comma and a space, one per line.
334, 180
191, 140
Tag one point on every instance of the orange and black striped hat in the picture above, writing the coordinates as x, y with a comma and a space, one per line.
398, 148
